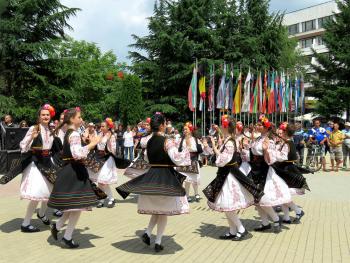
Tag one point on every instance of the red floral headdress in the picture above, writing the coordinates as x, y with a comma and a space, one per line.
265, 121
109, 123
239, 126
225, 121
189, 125
283, 126
50, 109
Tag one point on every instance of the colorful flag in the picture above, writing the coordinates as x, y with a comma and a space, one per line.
302, 95
246, 95
192, 90
220, 98
271, 104
265, 95
202, 92
297, 92
238, 95
230, 86
211, 103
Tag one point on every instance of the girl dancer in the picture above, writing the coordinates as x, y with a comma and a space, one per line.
107, 174
38, 168
160, 189
191, 172
72, 192
226, 193
276, 191
285, 167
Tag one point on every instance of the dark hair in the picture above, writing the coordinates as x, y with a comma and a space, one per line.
156, 121
290, 130
68, 114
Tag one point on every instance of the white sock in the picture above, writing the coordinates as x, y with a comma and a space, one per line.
271, 213
62, 220
295, 208
233, 228
263, 216
43, 209
107, 189
73, 220
161, 224
29, 213
152, 223
285, 209
187, 188
235, 219
195, 188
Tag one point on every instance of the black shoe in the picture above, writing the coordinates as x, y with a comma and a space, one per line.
197, 197
262, 228
278, 209
240, 236
100, 204
189, 199
276, 227
286, 221
54, 231
57, 213
29, 229
158, 247
70, 243
111, 203
227, 236
44, 219
146, 239
298, 217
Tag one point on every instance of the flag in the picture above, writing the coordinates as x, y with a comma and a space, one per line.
286, 94
265, 94
302, 95
230, 100
192, 90
254, 102
271, 103
202, 92
220, 97
281, 92
211, 89
238, 95
296, 94
246, 95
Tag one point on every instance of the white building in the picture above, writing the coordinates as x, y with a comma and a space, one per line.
307, 26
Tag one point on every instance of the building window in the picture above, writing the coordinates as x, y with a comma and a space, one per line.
320, 41
307, 42
309, 25
323, 20
293, 29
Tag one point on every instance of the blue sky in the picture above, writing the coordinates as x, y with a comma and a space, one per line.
110, 23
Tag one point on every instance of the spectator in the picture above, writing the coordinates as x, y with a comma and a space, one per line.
336, 139
120, 141
317, 135
299, 142
8, 122
23, 124
89, 133
346, 145
329, 130
177, 135
128, 137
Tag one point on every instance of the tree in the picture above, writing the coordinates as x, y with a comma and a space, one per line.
131, 104
331, 84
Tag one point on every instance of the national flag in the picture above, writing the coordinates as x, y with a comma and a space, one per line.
302, 95
211, 88
202, 92
271, 104
192, 90
230, 100
220, 98
246, 95
265, 95
238, 95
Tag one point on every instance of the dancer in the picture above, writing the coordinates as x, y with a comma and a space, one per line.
107, 172
39, 170
276, 191
191, 172
225, 193
285, 167
72, 191
160, 189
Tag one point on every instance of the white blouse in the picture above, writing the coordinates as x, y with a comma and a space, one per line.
111, 144
226, 155
78, 151
45, 134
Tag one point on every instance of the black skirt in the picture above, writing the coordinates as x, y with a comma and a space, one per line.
164, 181
292, 175
72, 189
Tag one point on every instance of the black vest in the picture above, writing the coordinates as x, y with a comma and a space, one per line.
155, 151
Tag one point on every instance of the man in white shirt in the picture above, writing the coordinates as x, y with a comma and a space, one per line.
128, 137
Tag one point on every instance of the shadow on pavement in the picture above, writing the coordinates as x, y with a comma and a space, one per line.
84, 240
15, 225
135, 245
132, 199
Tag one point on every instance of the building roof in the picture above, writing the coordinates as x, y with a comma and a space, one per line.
310, 7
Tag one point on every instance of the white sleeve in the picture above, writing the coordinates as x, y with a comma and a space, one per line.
226, 156
112, 145
78, 151
271, 151
282, 154
27, 141
179, 158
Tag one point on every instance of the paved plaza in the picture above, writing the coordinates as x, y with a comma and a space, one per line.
112, 235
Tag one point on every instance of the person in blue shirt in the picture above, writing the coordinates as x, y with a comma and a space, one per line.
318, 135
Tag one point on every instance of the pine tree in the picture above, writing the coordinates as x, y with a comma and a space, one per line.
332, 81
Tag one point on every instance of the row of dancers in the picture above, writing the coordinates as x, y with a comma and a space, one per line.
59, 170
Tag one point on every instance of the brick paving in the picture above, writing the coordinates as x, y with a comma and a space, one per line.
112, 235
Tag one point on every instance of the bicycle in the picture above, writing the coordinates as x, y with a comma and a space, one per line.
314, 159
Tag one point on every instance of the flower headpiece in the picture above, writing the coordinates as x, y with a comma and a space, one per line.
283, 126
148, 120
50, 109
265, 121
109, 123
225, 121
189, 126
239, 126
